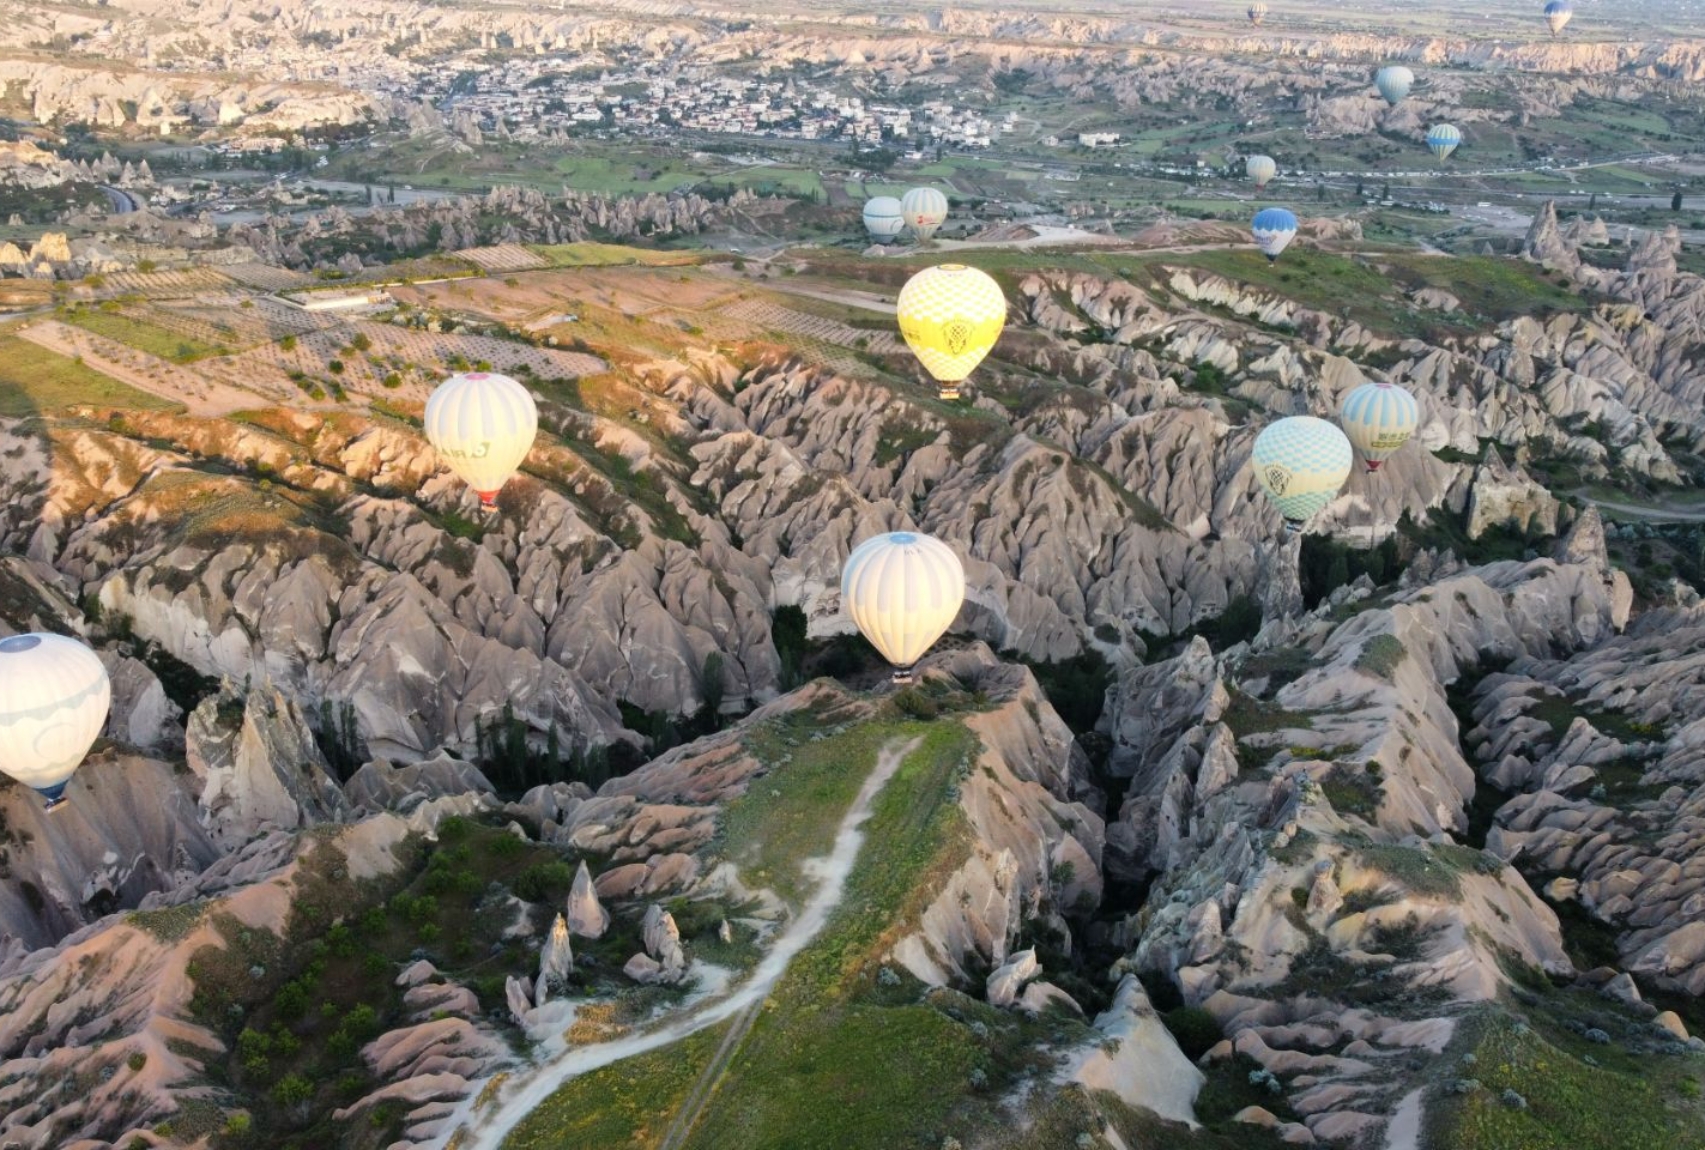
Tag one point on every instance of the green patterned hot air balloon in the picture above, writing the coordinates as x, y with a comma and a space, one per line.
1301, 462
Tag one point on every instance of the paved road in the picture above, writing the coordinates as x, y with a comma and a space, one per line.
121, 201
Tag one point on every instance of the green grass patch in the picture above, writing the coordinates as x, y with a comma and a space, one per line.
143, 336
630, 1103
35, 381
590, 254
1621, 1104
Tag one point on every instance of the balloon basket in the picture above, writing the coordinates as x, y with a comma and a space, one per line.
1373, 465
904, 676
488, 501
948, 394
1293, 527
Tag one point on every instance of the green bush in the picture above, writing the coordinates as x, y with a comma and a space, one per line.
1195, 1030
539, 882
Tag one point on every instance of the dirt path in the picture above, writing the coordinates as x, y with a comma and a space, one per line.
1652, 512
487, 1130
688, 1116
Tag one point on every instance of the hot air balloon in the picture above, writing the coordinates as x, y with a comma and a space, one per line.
902, 590
1442, 140
54, 696
1394, 82
1378, 419
1260, 169
1273, 229
1301, 462
483, 424
1258, 12
883, 219
924, 210
951, 315
1557, 14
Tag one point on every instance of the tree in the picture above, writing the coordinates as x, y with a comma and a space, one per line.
1592, 201
1675, 201
714, 691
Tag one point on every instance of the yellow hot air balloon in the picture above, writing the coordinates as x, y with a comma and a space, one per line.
902, 590
1301, 462
54, 697
483, 424
951, 316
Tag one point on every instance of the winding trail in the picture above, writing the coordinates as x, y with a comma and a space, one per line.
1651, 512
488, 1129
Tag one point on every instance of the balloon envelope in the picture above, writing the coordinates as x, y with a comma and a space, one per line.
924, 210
883, 218
951, 315
54, 696
482, 424
1442, 140
1301, 462
902, 590
1558, 14
1273, 229
1257, 11
1378, 419
1260, 169
1394, 82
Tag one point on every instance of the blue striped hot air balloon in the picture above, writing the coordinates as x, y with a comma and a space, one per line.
1394, 82
1557, 14
1442, 140
1273, 229
1379, 418
1301, 462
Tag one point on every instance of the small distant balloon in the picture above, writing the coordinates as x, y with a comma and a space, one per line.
1261, 169
1273, 229
1442, 140
902, 590
1258, 12
1301, 462
54, 697
1394, 82
883, 218
1558, 14
482, 424
924, 211
951, 315
1378, 419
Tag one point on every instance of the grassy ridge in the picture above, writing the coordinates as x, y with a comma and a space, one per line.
830, 1062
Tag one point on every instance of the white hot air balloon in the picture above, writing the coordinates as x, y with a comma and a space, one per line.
884, 219
925, 210
1379, 418
1394, 82
482, 424
902, 590
1260, 169
54, 696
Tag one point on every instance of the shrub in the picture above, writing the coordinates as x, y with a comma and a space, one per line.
137, 1060
1381, 656
293, 1090
237, 1125
537, 883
